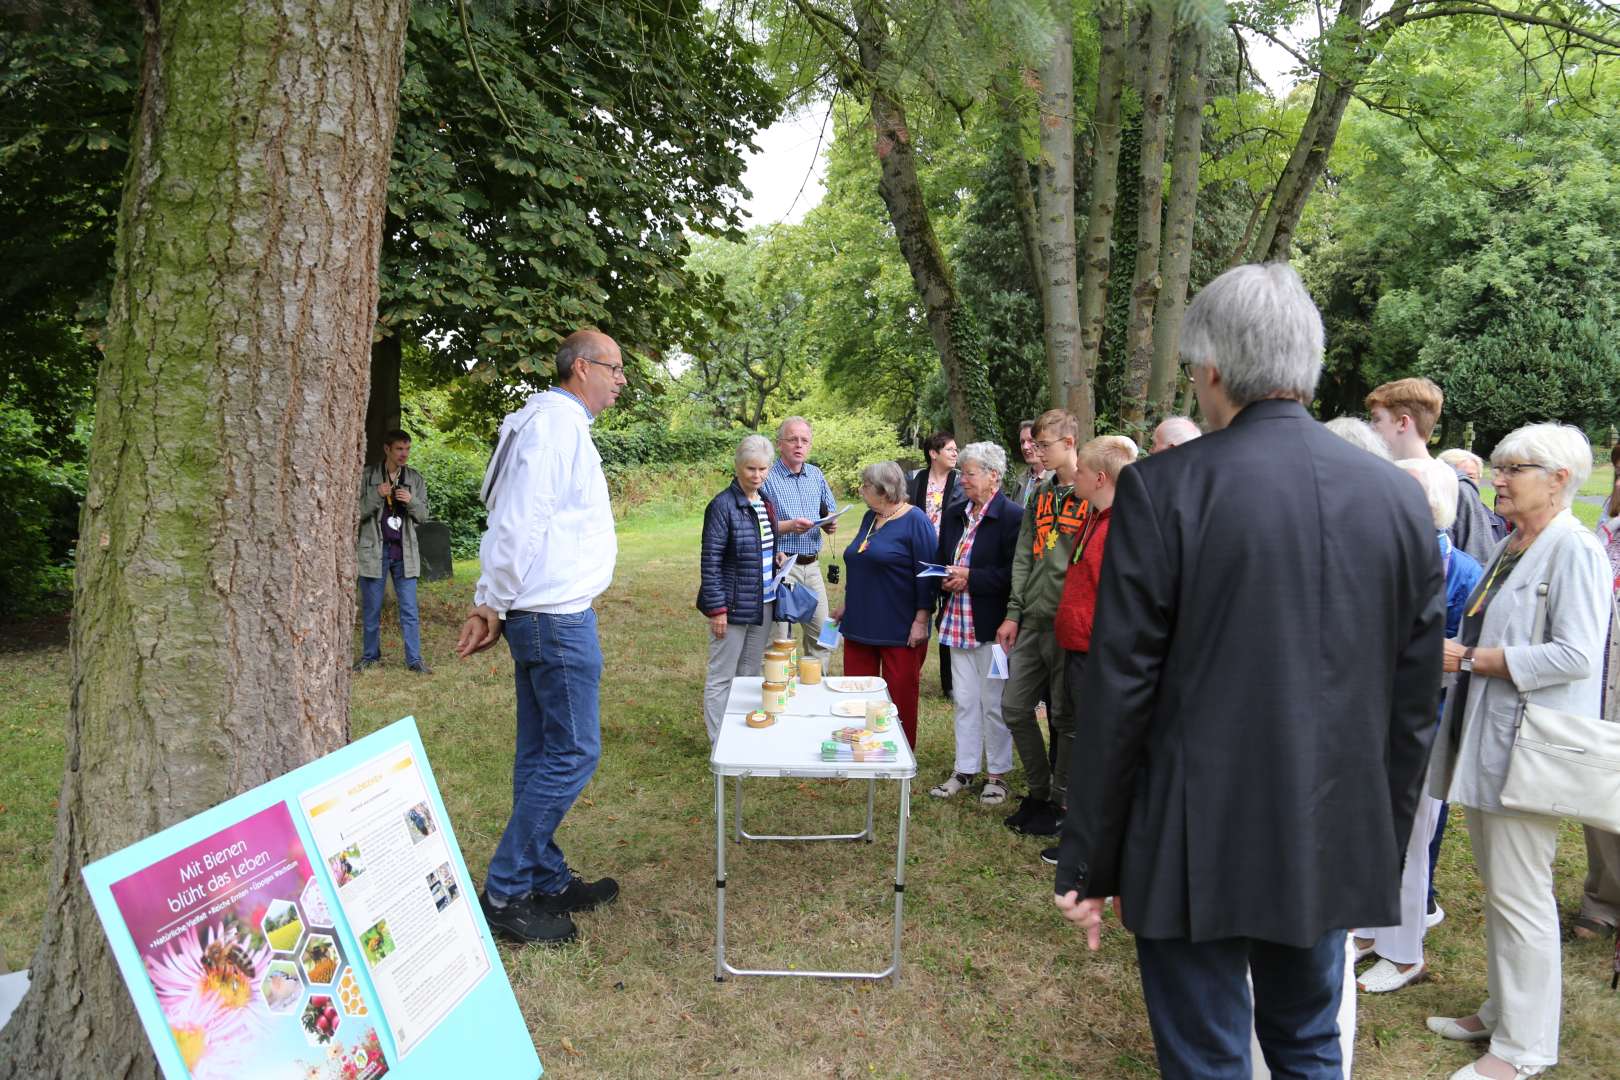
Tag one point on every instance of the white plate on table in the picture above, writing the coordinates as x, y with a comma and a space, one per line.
851, 709
855, 684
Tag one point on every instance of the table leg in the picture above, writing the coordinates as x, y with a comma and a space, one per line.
737, 798
720, 878
871, 798
900, 873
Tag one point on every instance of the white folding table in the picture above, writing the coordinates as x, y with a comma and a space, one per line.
792, 748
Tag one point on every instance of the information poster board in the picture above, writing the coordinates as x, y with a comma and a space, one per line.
320, 927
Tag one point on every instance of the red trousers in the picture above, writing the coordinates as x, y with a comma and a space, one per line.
901, 668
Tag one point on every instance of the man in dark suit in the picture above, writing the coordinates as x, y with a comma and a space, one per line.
1260, 700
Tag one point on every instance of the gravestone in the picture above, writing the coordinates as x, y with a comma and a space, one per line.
433, 548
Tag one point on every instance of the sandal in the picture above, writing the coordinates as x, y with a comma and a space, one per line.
950, 787
1590, 929
994, 792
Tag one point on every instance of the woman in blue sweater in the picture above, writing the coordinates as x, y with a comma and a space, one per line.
887, 606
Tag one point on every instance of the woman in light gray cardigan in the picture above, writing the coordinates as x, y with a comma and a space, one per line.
1536, 471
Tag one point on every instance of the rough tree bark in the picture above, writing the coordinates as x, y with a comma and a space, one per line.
1186, 149
213, 603
1145, 279
967, 381
1096, 258
1060, 299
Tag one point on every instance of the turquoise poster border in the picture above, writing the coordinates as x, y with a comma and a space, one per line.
484, 1036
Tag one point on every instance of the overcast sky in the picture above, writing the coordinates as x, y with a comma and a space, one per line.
787, 160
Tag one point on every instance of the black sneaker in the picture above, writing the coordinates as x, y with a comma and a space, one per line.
420, 668
580, 895
522, 921
1027, 805
1049, 855
1047, 820
363, 664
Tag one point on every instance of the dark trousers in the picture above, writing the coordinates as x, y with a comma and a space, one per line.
1200, 1008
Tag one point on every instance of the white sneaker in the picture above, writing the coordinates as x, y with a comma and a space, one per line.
1434, 918
1384, 977
1448, 1028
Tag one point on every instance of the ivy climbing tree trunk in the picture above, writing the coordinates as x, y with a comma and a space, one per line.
1060, 298
1186, 144
1145, 279
961, 353
1017, 168
383, 410
213, 603
1095, 260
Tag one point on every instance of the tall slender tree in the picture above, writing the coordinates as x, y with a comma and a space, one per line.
214, 602
1186, 142
1097, 257
1060, 297
1154, 86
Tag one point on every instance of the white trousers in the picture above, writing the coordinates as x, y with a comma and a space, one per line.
740, 652
1403, 943
1514, 853
808, 575
980, 731
1347, 1019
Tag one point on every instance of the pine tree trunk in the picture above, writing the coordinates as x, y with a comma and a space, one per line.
1060, 297
213, 604
1145, 280
967, 379
1186, 149
1100, 215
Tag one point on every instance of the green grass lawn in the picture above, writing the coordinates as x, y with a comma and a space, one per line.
994, 982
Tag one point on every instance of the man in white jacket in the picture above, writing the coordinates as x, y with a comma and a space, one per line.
547, 553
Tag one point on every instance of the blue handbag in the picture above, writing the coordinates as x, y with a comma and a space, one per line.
795, 603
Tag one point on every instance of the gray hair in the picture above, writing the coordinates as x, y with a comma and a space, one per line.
886, 479
580, 345
1552, 446
1359, 433
1457, 457
1177, 430
990, 457
781, 429
1260, 328
752, 448
1440, 485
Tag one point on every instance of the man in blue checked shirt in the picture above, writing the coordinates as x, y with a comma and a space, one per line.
802, 498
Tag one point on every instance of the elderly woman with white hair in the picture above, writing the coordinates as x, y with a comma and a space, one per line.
977, 540
1399, 948
736, 590
887, 607
1499, 655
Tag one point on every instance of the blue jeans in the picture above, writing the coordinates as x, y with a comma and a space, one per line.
371, 600
1200, 1009
558, 669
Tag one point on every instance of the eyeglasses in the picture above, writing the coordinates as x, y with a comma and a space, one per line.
1047, 445
1517, 468
617, 369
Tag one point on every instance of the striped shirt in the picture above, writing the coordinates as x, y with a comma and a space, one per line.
803, 494
766, 548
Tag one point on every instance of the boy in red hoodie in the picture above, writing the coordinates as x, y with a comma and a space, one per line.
1100, 462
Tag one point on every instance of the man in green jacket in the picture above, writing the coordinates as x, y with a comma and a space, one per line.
1035, 661
393, 501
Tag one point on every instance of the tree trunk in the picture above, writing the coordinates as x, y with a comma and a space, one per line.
382, 404
213, 601
1100, 214
967, 381
1145, 280
1060, 299
1186, 149
1347, 54
1017, 168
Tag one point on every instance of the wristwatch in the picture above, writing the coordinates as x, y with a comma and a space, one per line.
1467, 661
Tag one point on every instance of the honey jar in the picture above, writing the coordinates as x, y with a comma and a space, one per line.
776, 697
777, 659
